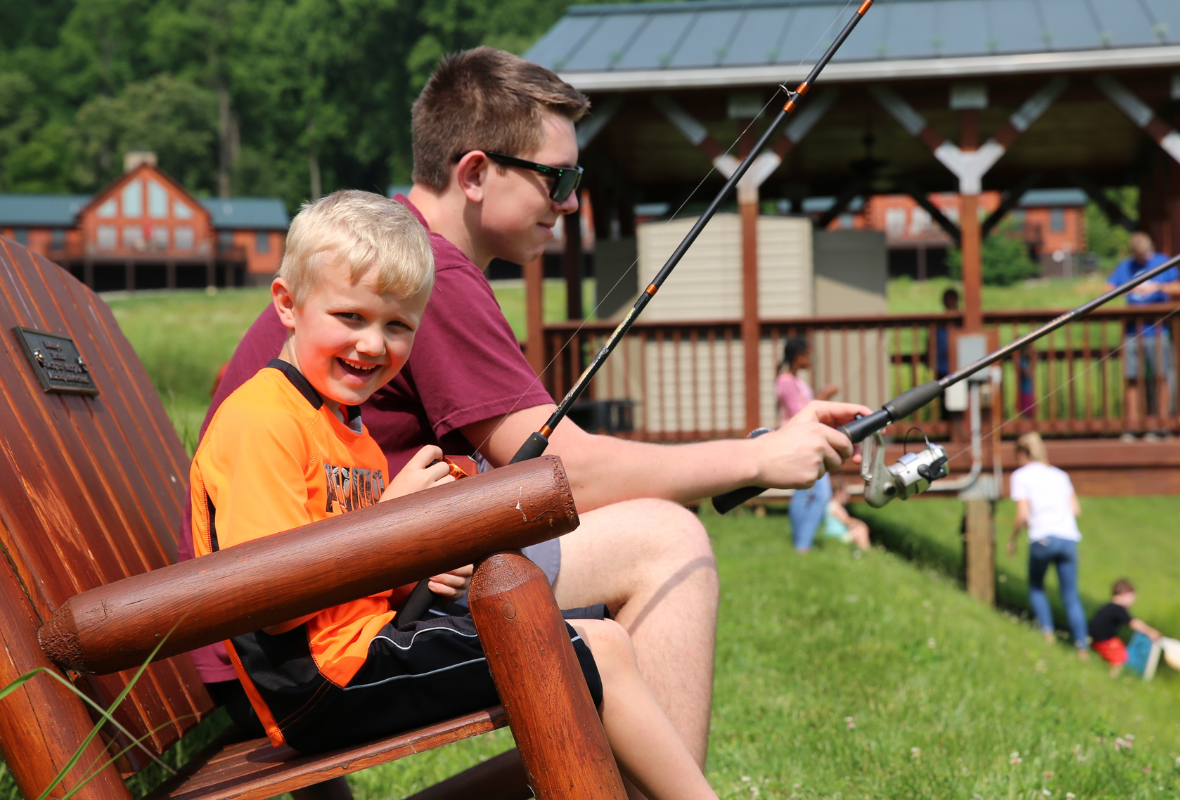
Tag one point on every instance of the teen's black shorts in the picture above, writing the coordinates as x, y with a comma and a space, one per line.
431, 672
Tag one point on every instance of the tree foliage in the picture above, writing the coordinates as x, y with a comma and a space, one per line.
249, 97
1004, 254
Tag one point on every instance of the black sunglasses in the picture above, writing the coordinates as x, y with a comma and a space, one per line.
565, 179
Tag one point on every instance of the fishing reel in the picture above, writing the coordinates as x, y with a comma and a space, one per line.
912, 474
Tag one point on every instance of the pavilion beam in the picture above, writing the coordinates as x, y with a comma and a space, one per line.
852, 191
1110, 209
1141, 114
940, 219
969, 164
748, 198
1010, 200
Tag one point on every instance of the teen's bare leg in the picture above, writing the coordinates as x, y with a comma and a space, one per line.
649, 751
651, 563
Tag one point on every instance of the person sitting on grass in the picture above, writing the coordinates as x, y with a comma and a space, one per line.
288, 447
1106, 622
838, 524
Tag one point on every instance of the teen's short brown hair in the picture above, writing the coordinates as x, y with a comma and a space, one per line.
1122, 586
484, 99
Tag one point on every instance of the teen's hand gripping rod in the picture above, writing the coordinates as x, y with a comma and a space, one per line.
910, 401
537, 442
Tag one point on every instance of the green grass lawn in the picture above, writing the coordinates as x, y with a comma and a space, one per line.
907, 296
1121, 537
807, 643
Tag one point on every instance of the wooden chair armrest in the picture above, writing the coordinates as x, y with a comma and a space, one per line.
270, 580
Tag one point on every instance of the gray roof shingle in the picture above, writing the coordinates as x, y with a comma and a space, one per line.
716, 33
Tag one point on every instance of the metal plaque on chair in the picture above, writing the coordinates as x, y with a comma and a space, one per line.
56, 362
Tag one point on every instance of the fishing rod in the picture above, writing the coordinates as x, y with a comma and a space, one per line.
538, 441
915, 472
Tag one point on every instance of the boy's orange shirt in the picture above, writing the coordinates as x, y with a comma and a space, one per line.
275, 458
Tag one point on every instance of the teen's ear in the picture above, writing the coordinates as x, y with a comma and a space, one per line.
284, 302
471, 175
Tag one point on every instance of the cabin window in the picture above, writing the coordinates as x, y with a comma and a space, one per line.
59, 239
109, 209
184, 238
133, 200
919, 221
225, 240
133, 237
262, 242
1057, 219
895, 222
181, 210
107, 237
160, 237
157, 200
21, 235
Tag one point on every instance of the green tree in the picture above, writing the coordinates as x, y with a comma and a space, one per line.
1108, 241
1004, 254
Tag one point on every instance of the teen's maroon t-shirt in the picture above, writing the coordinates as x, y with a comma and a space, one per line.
465, 366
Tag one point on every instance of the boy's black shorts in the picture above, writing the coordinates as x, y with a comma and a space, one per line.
430, 673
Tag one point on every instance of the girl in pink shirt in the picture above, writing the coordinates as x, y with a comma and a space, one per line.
807, 505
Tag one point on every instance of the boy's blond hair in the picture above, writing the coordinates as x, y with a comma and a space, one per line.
363, 230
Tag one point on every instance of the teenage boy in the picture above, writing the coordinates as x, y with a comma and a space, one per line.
1106, 622
495, 163
289, 447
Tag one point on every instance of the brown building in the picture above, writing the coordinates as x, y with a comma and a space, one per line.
145, 231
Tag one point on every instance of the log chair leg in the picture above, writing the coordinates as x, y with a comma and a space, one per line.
42, 723
549, 708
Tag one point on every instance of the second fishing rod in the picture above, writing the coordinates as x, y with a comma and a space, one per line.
536, 444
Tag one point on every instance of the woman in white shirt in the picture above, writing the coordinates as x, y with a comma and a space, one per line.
1047, 506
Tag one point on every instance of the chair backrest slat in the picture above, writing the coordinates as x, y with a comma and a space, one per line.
91, 487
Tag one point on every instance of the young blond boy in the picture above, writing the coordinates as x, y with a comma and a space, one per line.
289, 447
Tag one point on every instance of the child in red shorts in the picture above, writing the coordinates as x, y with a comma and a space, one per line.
1106, 622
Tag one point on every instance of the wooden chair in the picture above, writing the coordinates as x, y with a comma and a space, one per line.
92, 482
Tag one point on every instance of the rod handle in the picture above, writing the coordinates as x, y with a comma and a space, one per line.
533, 447
416, 604
724, 503
862, 428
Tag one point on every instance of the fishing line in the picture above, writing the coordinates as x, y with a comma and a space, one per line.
675, 215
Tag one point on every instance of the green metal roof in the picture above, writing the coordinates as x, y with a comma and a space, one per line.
40, 210
266, 213
643, 37
61, 211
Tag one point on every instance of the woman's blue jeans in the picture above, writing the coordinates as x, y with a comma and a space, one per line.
807, 512
1063, 554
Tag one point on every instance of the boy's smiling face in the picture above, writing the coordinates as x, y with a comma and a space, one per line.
346, 338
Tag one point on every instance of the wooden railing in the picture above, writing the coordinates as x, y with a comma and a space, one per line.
684, 381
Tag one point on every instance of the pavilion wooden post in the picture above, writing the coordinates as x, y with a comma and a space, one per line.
571, 263
971, 231
540, 682
534, 288
747, 194
979, 550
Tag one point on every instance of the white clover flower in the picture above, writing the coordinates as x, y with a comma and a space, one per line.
1014, 758
915, 752
850, 722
